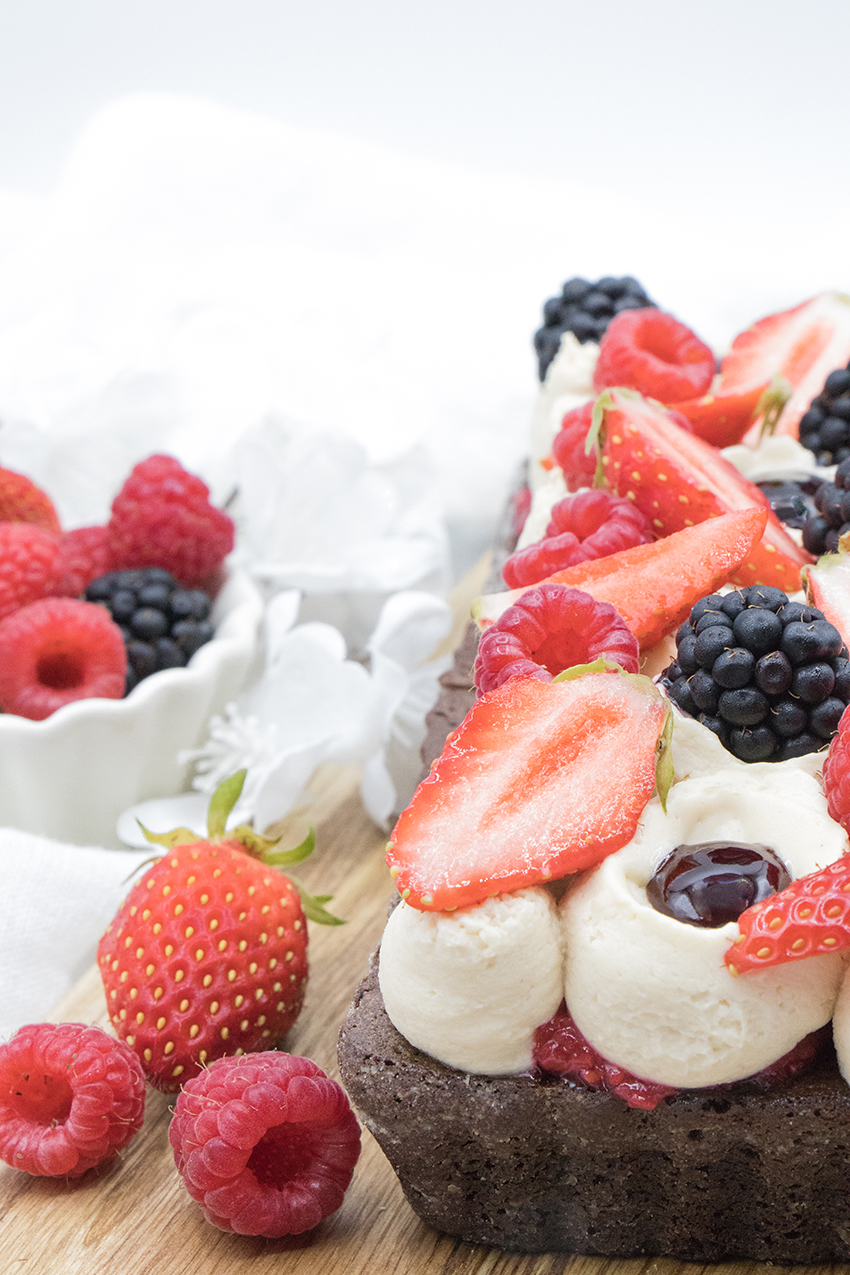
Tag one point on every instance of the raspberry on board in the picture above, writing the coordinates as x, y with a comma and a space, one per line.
568, 448
650, 351
265, 1143
30, 564
162, 517
71, 1096
58, 650
549, 629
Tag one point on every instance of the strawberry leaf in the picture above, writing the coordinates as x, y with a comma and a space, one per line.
313, 905
222, 802
297, 855
176, 837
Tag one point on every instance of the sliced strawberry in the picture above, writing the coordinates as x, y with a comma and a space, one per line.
804, 345
678, 480
828, 589
541, 779
808, 917
654, 586
723, 419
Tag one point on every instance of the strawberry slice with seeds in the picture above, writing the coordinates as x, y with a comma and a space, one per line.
809, 917
828, 589
653, 586
678, 480
804, 345
723, 418
540, 780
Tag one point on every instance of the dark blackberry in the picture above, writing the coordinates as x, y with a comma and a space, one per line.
585, 309
163, 623
769, 677
830, 518
825, 427
792, 501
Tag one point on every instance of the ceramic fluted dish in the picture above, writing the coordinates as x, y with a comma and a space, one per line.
71, 775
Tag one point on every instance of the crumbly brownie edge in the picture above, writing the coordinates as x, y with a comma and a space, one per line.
545, 1166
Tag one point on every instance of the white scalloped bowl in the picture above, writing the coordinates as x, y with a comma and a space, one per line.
71, 775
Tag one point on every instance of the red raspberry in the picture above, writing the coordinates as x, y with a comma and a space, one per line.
58, 650
836, 774
552, 628
70, 1097
591, 524
162, 517
578, 465
22, 501
562, 1050
84, 556
30, 563
265, 1143
650, 351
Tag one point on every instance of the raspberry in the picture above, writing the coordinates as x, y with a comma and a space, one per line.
70, 1097
552, 628
836, 774
562, 1050
162, 517
265, 1143
591, 524
58, 650
30, 563
770, 678
568, 448
83, 556
22, 501
650, 351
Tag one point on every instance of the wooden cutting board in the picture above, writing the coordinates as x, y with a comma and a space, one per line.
136, 1216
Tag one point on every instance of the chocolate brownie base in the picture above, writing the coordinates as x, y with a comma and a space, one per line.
545, 1166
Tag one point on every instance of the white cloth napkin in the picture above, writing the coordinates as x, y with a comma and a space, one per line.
58, 899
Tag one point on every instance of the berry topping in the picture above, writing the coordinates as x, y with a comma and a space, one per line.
70, 1098
30, 564
769, 677
802, 345
654, 586
810, 916
266, 1144
56, 651
836, 774
83, 556
208, 953
570, 450
22, 501
677, 480
552, 628
723, 419
793, 502
712, 883
585, 309
562, 1050
652, 352
829, 520
162, 517
591, 524
541, 779
163, 624
825, 427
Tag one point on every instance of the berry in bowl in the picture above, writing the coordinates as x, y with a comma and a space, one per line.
117, 645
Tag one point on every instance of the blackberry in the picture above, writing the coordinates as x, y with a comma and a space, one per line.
585, 309
769, 677
825, 427
830, 518
163, 624
793, 501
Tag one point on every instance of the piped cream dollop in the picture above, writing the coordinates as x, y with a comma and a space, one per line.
651, 993
470, 987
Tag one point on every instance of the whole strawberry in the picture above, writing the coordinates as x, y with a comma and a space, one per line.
207, 955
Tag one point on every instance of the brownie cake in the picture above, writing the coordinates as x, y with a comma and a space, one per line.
534, 1162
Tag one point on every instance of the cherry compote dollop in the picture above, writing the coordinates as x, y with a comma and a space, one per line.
713, 882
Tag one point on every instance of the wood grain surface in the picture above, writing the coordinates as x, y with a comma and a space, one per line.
136, 1216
